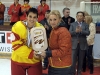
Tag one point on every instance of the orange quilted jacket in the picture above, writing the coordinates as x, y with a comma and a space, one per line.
61, 48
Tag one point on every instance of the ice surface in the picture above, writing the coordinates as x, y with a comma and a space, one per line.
5, 67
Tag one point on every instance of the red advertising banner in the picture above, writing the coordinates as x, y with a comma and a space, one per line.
95, 0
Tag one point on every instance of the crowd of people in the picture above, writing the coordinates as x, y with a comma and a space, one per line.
70, 42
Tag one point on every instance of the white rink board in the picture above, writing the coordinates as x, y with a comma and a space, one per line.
96, 47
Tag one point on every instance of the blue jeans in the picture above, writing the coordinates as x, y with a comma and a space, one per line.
1, 22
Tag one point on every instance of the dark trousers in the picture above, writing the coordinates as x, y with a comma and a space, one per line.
59, 71
1, 22
89, 61
77, 53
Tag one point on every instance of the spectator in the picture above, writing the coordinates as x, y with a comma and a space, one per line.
44, 22
2, 10
24, 59
90, 41
24, 8
84, 63
59, 52
79, 30
86, 13
42, 8
67, 18
14, 12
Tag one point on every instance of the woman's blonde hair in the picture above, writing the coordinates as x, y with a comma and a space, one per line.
86, 13
88, 19
55, 12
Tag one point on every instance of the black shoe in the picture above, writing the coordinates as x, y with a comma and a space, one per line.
91, 71
84, 70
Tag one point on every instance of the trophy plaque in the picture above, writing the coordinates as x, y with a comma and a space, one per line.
39, 39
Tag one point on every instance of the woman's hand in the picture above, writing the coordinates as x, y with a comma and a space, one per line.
43, 54
36, 55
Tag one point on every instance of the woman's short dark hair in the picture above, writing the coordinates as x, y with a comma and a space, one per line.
33, 10
80, 12
42, 0
26, 0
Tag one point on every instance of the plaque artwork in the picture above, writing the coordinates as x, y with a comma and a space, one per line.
39, 39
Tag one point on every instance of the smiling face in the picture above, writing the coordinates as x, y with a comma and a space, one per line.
54, 20
31, 19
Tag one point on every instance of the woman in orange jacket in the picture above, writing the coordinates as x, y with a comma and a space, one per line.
60, 47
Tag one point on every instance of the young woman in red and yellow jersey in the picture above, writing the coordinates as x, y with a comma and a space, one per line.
24, 61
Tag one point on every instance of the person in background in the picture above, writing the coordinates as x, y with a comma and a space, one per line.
2, 10
67, 18
59, 52
90, 41
24, 8
84, 61
42, 8
48, 28
24, 60
44, 22
86, 13
79, 30
14, 12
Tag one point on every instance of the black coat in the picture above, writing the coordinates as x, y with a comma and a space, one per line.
44, 22
71, 19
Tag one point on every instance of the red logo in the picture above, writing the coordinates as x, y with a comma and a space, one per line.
8, 37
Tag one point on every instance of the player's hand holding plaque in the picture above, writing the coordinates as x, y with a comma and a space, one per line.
39, 39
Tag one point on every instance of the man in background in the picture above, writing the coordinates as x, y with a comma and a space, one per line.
2, 10
42, 8
79, 30
67, 18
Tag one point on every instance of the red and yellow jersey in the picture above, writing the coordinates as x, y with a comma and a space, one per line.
24, 9
21, 53
14, 15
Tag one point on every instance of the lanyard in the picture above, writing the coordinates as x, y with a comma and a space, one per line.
28, 36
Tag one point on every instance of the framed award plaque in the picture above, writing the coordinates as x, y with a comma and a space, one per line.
39, 39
